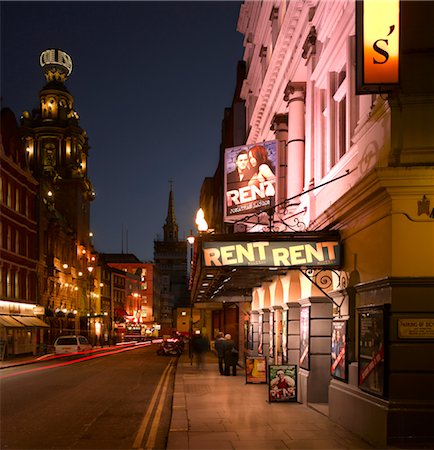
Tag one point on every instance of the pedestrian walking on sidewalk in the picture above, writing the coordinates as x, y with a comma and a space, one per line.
230, 355
220, 350
200, 345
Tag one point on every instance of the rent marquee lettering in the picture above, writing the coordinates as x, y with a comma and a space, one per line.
271, 254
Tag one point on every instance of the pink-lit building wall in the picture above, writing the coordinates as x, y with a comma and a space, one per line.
367, 164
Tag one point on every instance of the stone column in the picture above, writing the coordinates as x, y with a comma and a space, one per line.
252, 345
295, 96
277, 334
314, 381
293, 333
265, 314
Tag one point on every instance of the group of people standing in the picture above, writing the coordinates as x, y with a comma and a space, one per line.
227, 354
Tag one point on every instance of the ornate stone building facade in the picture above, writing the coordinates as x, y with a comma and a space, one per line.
359, 167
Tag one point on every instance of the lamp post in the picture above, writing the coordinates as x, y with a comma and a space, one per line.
90, 270
202, 227
190, 240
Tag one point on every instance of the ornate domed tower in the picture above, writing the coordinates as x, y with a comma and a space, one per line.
58, 149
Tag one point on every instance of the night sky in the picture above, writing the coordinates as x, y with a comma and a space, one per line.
150, 82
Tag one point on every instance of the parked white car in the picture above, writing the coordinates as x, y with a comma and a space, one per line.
71, 344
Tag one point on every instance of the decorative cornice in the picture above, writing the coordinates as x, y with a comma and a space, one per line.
394, 282
309, 46
285, 40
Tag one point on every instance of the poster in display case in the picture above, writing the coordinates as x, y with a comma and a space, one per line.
304, 337
271, 335
372, 349
282, 384
256, 370
251, 336
338, 367
284, 336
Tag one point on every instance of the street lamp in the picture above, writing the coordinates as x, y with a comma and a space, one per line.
201, 223
190, 240
90, 270
202, 227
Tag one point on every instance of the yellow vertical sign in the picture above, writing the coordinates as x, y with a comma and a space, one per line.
381, 41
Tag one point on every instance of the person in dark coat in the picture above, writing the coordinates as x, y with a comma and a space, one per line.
200, 345
242, 174
220, 350
230, 355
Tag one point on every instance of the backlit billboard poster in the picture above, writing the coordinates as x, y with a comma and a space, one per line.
372, 349
338, 366
250, 179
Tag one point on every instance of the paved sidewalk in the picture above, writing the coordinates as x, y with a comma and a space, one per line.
214, 412
20, 361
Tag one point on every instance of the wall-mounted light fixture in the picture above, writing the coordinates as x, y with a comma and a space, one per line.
201, 223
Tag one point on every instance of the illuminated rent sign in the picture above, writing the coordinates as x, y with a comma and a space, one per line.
271, 254
378, 31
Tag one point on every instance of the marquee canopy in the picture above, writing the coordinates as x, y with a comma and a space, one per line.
227, 266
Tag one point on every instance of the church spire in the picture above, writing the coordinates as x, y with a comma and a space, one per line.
171, 227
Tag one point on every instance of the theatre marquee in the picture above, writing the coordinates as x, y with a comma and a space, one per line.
227, 266
271, 254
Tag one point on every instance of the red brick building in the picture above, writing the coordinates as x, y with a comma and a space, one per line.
20, 329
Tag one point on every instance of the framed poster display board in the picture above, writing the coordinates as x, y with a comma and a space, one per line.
256, 370
304, 337
371, 350
339, 363
282, 384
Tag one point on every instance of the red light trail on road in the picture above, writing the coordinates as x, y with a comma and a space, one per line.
67, 363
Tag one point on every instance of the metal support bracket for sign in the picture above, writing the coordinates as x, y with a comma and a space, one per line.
282, 207
322, 280
296, 225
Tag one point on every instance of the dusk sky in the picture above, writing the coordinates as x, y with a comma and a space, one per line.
150, 82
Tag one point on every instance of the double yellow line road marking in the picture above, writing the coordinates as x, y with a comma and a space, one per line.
160, 396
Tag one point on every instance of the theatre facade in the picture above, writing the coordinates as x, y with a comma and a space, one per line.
326, 243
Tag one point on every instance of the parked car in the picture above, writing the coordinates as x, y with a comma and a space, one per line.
71, 344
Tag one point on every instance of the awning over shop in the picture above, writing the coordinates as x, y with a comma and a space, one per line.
30, 321
9, 322
227, 266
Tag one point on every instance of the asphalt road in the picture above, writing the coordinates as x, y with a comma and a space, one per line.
105, 401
